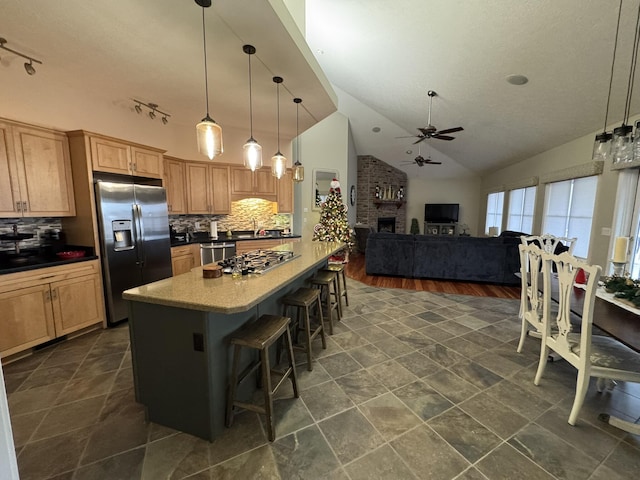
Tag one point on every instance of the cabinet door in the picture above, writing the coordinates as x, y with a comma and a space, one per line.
241, 181
174, 172
109, 156
47, 185
146, 163
265, 183
219, 182
197, 188
26, 320
9, 188
182, 264
285, 193
76, 303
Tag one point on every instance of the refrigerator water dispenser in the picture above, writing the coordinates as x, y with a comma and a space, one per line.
122, 235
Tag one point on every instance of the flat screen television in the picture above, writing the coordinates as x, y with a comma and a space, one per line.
441, 212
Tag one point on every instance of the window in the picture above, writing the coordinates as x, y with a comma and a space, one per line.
521, 204
495, 202
568, 211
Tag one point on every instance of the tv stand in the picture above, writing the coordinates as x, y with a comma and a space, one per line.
448, 229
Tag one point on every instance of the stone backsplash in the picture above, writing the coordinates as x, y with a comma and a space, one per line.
35, 226
243, 212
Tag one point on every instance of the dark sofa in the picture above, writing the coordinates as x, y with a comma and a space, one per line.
473, 259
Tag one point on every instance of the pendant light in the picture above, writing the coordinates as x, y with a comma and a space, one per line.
298, 169
278, 161
251, 151
209, 133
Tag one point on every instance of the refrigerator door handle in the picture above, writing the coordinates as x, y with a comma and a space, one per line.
137, 216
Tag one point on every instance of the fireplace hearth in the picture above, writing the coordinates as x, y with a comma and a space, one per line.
387, 224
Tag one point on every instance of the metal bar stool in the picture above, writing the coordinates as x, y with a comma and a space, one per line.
339, 268
260, 335
325, 280
305, 299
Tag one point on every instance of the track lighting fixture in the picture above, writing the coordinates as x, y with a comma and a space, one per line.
278, 161
28, 66
208, 132
298, 169
252, 151
153, 109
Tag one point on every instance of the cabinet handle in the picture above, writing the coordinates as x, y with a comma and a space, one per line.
134, 167
24, 207
18, 206
47, 296
54, 293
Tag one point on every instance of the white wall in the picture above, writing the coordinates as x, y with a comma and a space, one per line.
465, 191
323, 146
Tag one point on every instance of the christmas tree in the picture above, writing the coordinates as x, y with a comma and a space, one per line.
333, 226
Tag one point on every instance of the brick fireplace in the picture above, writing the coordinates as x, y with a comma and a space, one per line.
374, 173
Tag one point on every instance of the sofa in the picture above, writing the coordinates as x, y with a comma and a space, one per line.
471, 259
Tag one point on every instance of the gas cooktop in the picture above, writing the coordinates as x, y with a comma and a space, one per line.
258, 261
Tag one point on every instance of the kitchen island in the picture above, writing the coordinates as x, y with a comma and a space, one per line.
180, 329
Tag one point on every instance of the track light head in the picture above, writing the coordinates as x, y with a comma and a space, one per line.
165, 120
138, 108
152, 115
29, 68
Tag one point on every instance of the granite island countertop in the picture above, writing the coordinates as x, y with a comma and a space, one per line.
228, 295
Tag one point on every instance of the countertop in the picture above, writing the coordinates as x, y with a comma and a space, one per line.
36, 261
233, 238
229, 295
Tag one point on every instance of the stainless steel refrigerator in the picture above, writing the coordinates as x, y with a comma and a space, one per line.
134, 240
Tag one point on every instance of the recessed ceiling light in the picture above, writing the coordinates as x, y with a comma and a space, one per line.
376, 129
517, 79
320, 51
409, 152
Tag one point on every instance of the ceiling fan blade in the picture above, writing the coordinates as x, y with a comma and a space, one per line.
421, 139
443, 137
409, 136
450, 130
433, 163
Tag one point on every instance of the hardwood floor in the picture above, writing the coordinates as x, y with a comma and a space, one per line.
355, 270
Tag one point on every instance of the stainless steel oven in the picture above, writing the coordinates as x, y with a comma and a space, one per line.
214, 252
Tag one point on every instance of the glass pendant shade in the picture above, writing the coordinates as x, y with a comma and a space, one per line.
298, 172
622, 147
278, 165
602, 146
209, 137
252, 153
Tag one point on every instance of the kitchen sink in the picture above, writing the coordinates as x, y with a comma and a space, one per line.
245, 236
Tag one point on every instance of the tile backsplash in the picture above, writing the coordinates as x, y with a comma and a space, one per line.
35, 226
243, 212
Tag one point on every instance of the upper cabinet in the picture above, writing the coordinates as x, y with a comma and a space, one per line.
207, 188
175, 183
245, 183
285, 193
112, 156
35, 172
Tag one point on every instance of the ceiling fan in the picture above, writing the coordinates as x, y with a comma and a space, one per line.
421, 161
430, 131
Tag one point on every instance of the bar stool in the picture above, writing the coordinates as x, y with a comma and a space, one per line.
325, 280
260, 335
305, 299
339, 268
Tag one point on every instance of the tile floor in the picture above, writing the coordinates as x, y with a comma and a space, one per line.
412, 385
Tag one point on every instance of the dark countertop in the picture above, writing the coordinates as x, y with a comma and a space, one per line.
233, 238
37, 263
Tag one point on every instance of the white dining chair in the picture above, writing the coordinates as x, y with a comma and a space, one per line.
530, 298
592, 355
549, 243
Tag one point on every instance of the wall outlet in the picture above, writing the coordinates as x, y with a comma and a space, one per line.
606, 231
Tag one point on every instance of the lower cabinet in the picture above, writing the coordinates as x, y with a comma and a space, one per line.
40, 305
184, 258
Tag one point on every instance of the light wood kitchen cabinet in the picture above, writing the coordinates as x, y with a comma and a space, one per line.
35, 172
285, 192
244, 246
247, 184
184, 258
175, 184
113, 156
40, 305
207, 188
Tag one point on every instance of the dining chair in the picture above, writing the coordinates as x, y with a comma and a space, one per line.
592, 355
550, 243
530, 298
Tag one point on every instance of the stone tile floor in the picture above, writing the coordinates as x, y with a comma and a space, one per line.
412, 385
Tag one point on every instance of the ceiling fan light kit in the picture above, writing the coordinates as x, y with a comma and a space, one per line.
208, 132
